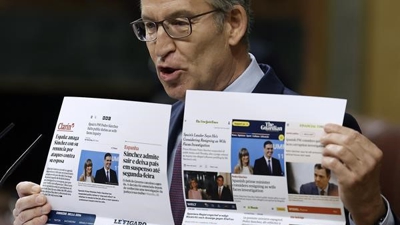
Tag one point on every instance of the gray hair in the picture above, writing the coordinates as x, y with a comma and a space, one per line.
226, 6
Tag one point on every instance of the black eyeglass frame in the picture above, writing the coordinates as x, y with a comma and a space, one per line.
158, 23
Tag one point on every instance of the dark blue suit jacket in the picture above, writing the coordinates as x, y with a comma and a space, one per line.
226, 194
269, 84
260, 167
101, 177
312, 189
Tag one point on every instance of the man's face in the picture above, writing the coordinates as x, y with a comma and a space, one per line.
107, 162
268, 150
220, 181
201, 61
320, 178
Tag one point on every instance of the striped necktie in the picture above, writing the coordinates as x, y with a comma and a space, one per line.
176, 191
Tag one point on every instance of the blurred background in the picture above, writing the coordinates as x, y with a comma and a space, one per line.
52, 49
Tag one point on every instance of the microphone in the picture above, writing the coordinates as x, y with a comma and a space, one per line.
18, 161
6, 130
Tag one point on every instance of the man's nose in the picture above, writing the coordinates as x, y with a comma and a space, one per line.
164, 43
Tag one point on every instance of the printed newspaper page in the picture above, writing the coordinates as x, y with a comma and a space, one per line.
107, 163
255, 159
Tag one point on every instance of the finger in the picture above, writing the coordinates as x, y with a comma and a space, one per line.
359, 166
344, 175
351, 148
347, 156
336, 128
339, 135
29, 202
343, 153
32, 215
35, 221
338, 168
351, 139
27, 188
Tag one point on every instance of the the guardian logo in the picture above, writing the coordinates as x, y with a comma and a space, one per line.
270, 127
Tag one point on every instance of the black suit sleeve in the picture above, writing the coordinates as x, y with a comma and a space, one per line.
114, 177
97, 177
350, 122
279, 171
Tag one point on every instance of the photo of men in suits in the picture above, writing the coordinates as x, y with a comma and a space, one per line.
268, 165
221, 192
106, 175
321, 185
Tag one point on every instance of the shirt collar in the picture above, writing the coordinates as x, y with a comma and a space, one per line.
249, 79
325, 190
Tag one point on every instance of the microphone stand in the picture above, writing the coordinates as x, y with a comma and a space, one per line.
18, 161
6, 130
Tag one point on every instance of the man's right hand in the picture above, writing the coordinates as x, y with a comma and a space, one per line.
32, 206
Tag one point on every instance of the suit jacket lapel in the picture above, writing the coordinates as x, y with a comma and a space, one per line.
269, 83
315, 190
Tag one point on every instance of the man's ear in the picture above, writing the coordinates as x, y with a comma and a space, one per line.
237, 22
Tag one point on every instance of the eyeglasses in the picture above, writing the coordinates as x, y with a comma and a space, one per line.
176, 28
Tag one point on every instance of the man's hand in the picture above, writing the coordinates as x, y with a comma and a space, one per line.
32, 207
356, 163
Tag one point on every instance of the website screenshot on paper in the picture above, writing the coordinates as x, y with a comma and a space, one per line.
107, 163
244, 163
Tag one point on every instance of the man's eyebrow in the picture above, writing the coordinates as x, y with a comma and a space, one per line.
176, 14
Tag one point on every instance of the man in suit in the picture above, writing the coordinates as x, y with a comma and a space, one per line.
321, 185
106, 175
268, 165
203, 45
221, 192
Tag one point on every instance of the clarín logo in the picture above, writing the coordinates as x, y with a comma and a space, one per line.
270, 127
129, 222
65, 127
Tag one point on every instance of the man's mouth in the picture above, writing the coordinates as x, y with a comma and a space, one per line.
168, 74
167, 70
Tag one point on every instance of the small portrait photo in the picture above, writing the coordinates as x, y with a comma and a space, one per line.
98, 167
196, 184
208, 186
257, 156
310, 179
257, 147
243, 165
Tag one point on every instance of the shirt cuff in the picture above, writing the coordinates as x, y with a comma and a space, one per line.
388, 220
